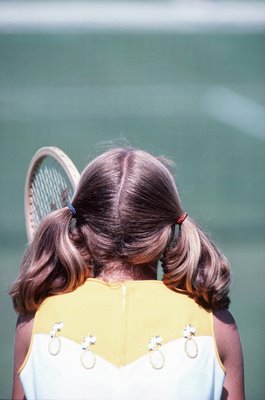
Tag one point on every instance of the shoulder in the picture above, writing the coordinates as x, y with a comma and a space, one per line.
24, 331
65, 299
230, 351
22, 343
226, 332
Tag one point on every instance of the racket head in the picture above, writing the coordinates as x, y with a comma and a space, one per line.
50, 184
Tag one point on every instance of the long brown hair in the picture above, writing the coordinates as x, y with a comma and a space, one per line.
127, 205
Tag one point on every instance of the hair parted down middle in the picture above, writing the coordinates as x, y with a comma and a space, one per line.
127, 204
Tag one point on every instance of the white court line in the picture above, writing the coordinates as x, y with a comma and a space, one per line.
168, 16
235, 110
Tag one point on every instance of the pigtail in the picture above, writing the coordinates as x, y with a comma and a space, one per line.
194, 264
52, 264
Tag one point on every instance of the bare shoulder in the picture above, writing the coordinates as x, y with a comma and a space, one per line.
24, 326
23, 335
22, 342
225, 331
230, 350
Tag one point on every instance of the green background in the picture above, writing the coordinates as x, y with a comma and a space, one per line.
196, 98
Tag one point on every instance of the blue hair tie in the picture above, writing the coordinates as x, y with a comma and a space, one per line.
71, 208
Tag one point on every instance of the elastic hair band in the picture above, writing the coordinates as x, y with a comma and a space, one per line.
181, 219
71, 208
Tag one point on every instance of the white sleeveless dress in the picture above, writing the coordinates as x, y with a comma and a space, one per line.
127, 341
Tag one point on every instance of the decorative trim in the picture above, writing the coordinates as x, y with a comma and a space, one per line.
156, 357
54, 346
191, 347
88, 358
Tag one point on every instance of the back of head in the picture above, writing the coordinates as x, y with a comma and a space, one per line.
127, 206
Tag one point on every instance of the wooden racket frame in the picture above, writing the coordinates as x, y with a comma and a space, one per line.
65, 162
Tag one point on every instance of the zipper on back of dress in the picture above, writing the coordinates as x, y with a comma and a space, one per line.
123, 323
124, 288
124, 320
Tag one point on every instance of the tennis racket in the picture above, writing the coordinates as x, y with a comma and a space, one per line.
50, 184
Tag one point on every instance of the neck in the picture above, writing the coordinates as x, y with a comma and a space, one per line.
118, 273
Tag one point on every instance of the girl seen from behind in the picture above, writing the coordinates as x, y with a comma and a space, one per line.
95, 323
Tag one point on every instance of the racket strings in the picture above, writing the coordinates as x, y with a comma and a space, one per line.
51, 189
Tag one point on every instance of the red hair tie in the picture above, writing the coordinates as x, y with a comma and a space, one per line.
181, 219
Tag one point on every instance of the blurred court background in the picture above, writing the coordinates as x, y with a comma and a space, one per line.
182, 79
